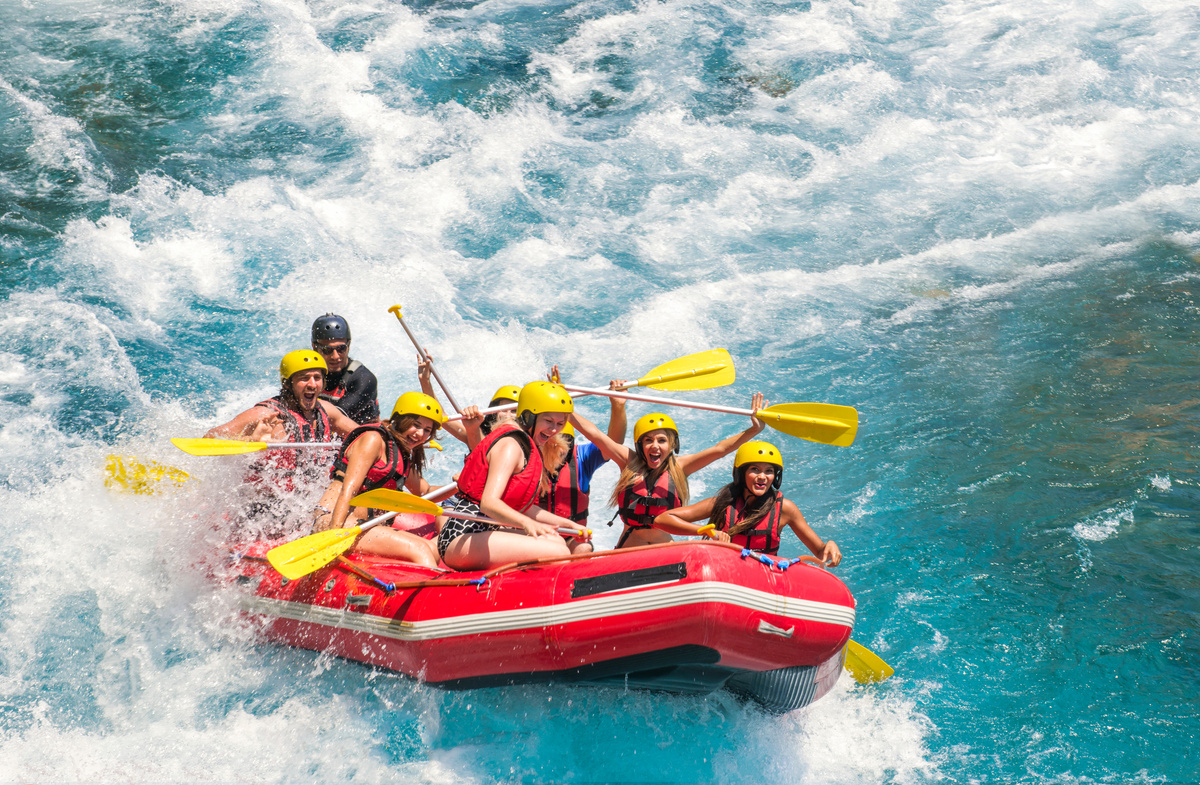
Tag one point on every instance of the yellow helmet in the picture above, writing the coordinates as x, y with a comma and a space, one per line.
539, 398
759, 452
508, 392
568, 430
420, 404
300, 360
652, 422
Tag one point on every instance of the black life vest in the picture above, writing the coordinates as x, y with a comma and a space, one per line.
334, 394
638, 507
565, 499
764, 537
389, 474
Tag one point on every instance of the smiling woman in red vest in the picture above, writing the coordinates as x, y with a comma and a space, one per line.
751, 511
653, 476
384, 455
501, 479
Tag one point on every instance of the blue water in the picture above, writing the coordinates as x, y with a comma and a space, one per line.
978, 223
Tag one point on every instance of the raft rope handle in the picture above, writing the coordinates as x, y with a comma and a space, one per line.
387, 586
783, 564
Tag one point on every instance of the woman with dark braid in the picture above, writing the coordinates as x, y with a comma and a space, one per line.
750, 511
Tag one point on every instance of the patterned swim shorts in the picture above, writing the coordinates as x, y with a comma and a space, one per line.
457, 527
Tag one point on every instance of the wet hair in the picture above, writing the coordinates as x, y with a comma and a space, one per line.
637, 467
556, 452
757, 508
490, 420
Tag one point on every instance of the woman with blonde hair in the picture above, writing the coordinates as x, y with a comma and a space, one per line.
501, 479
653, 473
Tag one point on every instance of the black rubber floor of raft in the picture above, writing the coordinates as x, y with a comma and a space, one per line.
689, 668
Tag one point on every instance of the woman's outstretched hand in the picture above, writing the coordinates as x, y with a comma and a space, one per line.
757, 404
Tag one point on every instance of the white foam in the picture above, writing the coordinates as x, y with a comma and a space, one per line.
59, 144
1105, 524
853, 734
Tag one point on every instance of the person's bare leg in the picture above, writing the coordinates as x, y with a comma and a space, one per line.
484, 550
392, 544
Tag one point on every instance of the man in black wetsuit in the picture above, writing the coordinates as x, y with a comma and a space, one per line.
348, 384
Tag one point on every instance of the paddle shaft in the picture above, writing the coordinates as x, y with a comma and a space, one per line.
711, 407
300, 445
645, 381
387, 516
508, 407
764, 415
425, 356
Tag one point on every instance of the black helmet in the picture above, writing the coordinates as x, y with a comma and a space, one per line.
330, 327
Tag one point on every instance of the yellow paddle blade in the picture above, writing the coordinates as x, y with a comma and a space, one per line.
395, 501
865, 665
125, 473
827, 423
298, 558
217, 446
699, 371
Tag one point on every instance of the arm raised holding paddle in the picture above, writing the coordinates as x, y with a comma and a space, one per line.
653, 474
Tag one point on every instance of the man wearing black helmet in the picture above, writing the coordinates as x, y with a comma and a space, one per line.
348, 385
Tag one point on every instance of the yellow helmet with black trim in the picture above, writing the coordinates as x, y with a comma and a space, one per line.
542, 397
568, 430
759, 452
653, 422
300, 360
507, 392
421, 405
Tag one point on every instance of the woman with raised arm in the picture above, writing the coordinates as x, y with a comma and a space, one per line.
653, 475
501, 478
751, 510
384, 455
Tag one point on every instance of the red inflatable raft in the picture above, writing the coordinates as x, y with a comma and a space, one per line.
687, 617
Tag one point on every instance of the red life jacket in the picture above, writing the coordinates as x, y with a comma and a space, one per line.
522, 487
389, 473
763, 538
638, 507
565, 499
281, 467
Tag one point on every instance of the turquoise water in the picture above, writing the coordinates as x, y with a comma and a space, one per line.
977, 223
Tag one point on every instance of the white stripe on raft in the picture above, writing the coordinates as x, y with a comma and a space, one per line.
582, 610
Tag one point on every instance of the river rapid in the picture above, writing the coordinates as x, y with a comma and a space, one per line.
977, 223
